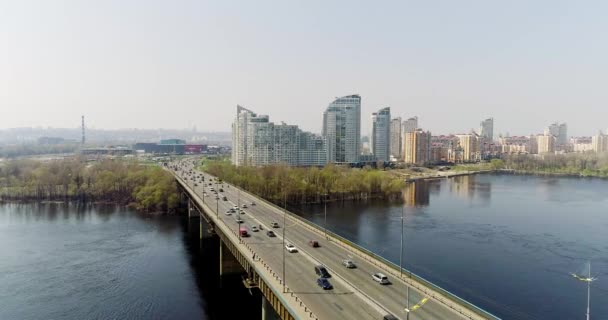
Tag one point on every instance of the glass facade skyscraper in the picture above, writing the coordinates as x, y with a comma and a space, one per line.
342, 129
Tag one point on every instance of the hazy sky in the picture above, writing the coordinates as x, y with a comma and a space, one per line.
175, 64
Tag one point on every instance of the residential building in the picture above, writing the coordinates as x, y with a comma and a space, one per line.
342, 129
239, 135
312, 150
546, 143
380, 135
444, 149
396, 148
470, 146
410, 125
417, 147
581, 144
559, 131
486, 129
258, 142
286, 144
599, 142
518, 145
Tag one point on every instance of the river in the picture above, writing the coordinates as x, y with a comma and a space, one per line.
506, 243
61, 261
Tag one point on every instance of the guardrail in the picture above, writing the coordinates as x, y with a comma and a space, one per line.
444, 295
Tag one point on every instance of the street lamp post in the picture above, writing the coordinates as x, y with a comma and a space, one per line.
284, 227
586, 278
325, 213
401, 251
217, 200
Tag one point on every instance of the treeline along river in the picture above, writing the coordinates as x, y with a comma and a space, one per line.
506, 243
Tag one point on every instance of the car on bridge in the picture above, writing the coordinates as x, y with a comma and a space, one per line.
244, 206
291, 248
274, 224
348, 263
239, 220
324, 283
380, 278
321, 271
314, 243
254, 229
229, 212
270, 233
243, 232
224, 198
252, 203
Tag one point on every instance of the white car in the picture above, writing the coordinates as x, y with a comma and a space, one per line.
380, 278
254, 229
229, 212
291, 248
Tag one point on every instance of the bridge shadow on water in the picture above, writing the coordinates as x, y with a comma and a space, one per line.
228, 299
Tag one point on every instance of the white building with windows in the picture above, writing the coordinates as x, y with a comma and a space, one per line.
258, 142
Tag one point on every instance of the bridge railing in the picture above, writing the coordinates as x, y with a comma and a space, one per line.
436, 292
274, 274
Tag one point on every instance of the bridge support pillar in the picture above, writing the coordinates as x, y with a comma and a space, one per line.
268, 312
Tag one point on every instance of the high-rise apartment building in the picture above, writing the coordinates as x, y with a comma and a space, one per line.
396, 138
559, 131
239, 135
380, 135
417, 147
486, 129
546, 143
410, 125
470, 147
599, 142
312, 150
258, 142
342, 129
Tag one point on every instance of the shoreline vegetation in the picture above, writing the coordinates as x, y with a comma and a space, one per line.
296, 185
145, 188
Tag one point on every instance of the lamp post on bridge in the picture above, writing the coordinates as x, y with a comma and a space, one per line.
325, 213
284, 227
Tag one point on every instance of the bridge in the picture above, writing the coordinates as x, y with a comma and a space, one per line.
287, 280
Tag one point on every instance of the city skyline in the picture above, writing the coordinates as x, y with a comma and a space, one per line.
185, 64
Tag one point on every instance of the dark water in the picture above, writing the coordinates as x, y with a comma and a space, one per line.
505, 243
64, 262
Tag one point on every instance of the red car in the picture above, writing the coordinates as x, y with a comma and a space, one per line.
313, 243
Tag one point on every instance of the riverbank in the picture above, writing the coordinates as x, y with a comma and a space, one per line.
431, 174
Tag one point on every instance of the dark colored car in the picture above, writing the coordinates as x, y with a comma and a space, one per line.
324, 283
313, 243
322, 272
390, 317
270, 233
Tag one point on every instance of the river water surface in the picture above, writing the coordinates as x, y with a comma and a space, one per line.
103, 262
